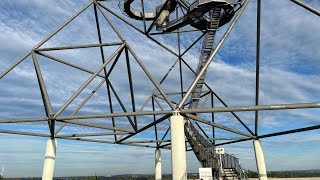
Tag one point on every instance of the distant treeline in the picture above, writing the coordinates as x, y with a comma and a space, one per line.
287, 174
251, 174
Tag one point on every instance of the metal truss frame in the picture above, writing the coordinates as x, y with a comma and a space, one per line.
122, 135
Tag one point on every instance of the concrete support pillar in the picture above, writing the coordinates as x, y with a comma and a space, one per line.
48, 167
261, 166
158, 173
178, 147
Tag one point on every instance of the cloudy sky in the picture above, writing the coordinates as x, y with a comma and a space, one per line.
290, 64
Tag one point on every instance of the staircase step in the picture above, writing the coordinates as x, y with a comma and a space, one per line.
230, 178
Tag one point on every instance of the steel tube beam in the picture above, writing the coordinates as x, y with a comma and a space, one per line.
232, 142
44, 95
155, 83
79, 46
173, 32
69, 138
108, 20
24, 133
133, 104
307, 7
15, 64
91, 134
165, 134
215, 51
144, 141
81, 104
203, 95
97, 126
120, 102
204, 133
163, 46
144, 19
45, 40
68, 64
225, 139
23, 120
88, 81
89, 96
146, 127
159, 97
257, 66
197, 118
160, 106
63, 25
179, 52
290, 131
169, 112
212, 119
105, 142
165, 145
124, 114
111, 108
104, 69
164, 77
119, 17
121, 37
215, 94
195, 42
137, 29
154, 120
43, 89
234, 114
253, 108
206, 100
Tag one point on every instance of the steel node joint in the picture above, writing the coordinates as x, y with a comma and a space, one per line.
176, 112
51, 118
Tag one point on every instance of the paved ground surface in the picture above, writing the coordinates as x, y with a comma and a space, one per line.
314, 178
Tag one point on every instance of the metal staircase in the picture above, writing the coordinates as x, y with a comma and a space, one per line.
232, 168
224, 166
203, 149
205, 54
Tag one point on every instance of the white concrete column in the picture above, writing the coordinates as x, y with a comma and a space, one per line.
49, 161
261, 165
178, 153
158, 173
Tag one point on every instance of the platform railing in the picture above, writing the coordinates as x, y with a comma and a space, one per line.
203, 149
231, 162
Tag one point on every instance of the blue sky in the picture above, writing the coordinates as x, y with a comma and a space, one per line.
289, 73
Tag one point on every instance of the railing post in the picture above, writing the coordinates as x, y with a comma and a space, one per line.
261, 166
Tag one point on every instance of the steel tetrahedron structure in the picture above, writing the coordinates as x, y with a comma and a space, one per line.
184, 108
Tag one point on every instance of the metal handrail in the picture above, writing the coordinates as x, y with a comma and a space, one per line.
204, 150
229, 161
